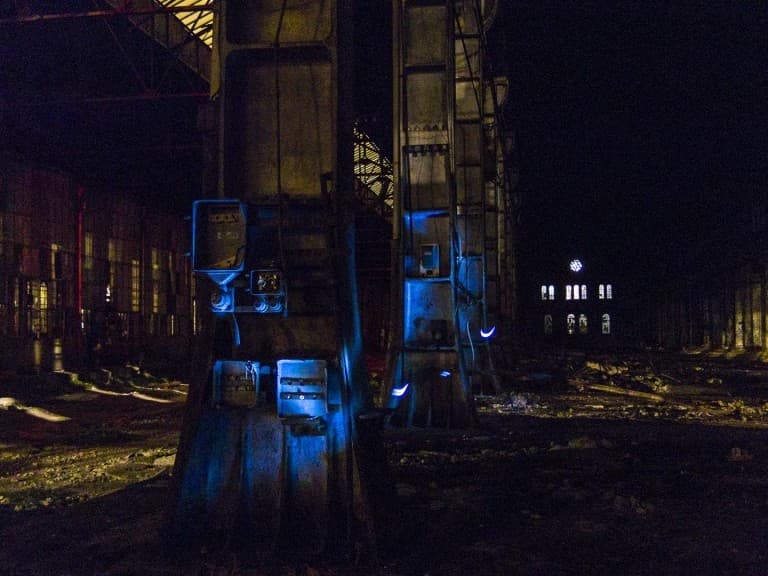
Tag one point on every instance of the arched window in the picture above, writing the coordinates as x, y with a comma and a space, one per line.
551, 292
583, 291
548, 324
543, 292
606, 323
571, 324
583, 327
576, 292
608, 291
601, 292
568, 291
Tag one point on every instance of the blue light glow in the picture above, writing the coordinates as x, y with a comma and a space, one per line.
400, 392
445, 373
223, 300
488, 333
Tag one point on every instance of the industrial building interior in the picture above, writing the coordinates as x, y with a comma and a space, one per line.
293, 288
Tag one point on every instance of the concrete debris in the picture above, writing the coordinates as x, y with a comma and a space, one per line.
739, 455
520, 401
164, 461
568, 465
631, 505
10, 403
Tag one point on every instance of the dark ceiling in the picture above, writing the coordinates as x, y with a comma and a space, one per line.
99, 98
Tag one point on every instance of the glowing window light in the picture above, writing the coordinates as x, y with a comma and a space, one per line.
568, 292
44, 307
601, 292
583, 291
488, 333
571, 323
543, 292
551, 292
576, 265
583, 325
54, 251
576, 292
135, 286
445, 373
608, 291
88, 251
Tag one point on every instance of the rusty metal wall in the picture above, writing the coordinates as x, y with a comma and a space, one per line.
39, 247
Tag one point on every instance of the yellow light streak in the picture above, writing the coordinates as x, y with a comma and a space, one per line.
8, 403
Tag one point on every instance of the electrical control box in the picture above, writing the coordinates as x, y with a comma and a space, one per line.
219, 239
302, 388
267, 289
429, 260
236, 383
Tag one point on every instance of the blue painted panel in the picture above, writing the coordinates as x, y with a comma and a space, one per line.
428, 313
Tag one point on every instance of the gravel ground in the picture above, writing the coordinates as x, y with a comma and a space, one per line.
603, 465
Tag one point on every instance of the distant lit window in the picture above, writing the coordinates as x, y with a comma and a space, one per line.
583, 327
135, 286
568, 292
54, 256
85, 319
583, 291
43, 308
551, 292
548, 324
543, 292
88, 251
606, 323
112, 258
601, 292
608, 291
156, 277
576, 265
571, 324
576, 292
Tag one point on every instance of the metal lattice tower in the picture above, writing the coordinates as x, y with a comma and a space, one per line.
448, 225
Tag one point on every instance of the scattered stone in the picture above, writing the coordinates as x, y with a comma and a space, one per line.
582, 443
164, 461
739, 455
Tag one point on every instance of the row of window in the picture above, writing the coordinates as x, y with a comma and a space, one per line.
582, 326
35, 308
577, 292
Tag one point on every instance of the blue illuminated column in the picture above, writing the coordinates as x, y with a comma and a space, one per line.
447, 214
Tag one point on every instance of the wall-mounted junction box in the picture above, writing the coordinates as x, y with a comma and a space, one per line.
429, 260
236, 383
219, 239
302, 388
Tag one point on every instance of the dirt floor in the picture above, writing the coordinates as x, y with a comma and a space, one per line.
629, 464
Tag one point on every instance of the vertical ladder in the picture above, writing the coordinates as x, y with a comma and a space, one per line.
446, 214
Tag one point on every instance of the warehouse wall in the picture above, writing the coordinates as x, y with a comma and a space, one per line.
90, 273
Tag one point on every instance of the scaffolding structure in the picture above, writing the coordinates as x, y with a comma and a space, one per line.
449, 226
